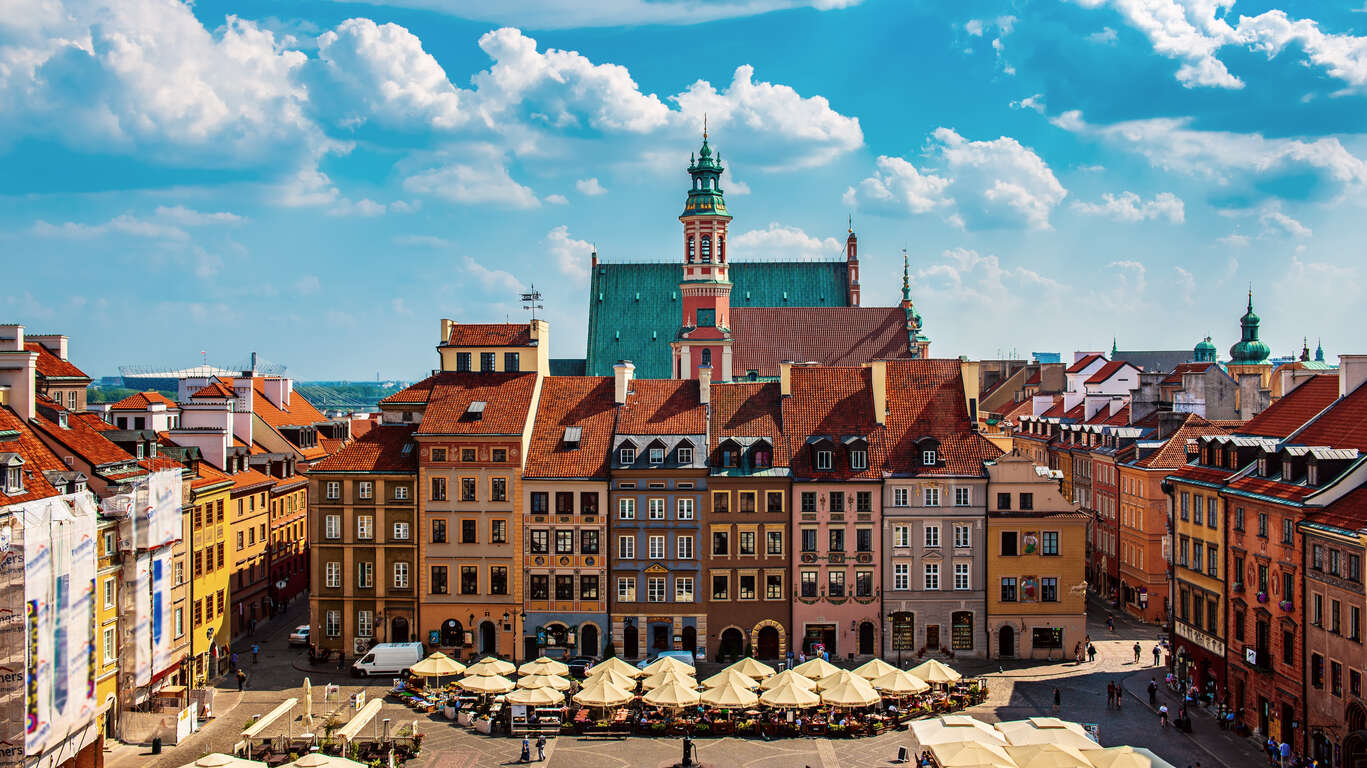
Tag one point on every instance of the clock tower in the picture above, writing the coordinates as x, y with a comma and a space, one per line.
704, 336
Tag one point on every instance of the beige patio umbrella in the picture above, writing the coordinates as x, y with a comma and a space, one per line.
673, 694
755, 670
949, 729
852, 691
668, 662
490, 666
665, 677
1046, 730
971, 754
1154, 760
615, 664
308, 703
790, 695
220, 760
554, 682
933, 671
544, 665
785, 677
874, 667
438, 665
731, 695
601, 692
729, 675
1118, 757
899, 683
1047, 756
614, 677
320, 760
816, 668
538, 697
486, 684
835, 678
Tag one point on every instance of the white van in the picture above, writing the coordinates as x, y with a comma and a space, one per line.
388, 659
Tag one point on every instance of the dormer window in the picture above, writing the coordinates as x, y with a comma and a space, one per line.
764, 456
823, 460
685, 454
572, 436
1262, 466
627, 456
12, 472
139, 450
728, 457
859, 459
928, 457
657, 455
475, 411
1312, 473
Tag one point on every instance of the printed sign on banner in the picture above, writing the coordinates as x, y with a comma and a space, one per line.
161, 601
163, 505
13, 684
38, 585
137, 605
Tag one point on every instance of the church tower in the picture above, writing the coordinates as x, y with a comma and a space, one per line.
852, 265
918, 344
704, 337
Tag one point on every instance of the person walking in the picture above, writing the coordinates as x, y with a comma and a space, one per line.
1118, 693
1110, 622
1136, 651
1110, 695
1091, 652
1163, 715
526, 756
232, 661
1153, 693
1156, 654
541, 748
256, 653
341, 660
241, 679
1058, 700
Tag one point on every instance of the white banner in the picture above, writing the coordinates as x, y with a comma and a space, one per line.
38, 589
160, 619
137, 602
13, 642
163, 515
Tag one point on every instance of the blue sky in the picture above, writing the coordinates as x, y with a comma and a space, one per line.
320, 182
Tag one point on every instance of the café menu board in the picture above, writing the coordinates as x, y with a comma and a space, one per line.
961, 637
903, 636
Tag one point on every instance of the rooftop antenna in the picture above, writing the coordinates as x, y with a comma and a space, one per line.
704, 126
532, 301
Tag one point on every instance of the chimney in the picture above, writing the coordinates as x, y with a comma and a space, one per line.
621, 380
17, 369
705, 384
878, 375
785, 378
1352, 372
55, 343
1169, 422
445, 331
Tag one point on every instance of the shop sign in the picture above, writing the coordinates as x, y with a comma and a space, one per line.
1200, 638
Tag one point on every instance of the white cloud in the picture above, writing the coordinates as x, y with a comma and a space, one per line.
488, 182
1127, 206
1276, 221
974, 27
191, 218
571, 256
307, 285
737, 187
1106, 36
165, 223
306, 187
897, 184
557, 14
1234, 240
363, 208
1035, 102
556, 199
400, 307
206, 264
492, 279
783, 242
1186, 286
961, 277
590, 187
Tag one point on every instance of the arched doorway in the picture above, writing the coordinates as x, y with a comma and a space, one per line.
630, 644
866, 631
588, 640
767, 647
488, 641
1006, 641
1355, 744
732, 643
690, 639
452, 633
398, 630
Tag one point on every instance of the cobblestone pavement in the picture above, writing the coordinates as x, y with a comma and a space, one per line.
1017, 691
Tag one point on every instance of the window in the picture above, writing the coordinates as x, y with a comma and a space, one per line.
721, 502
588, 542
365, 575
1212, 506
745, 587
683, 508
626, 509
626, 547
1354, 623
109, 593
511, 362
863, 540
683, 589
1288, 587
110, 645
588, 503
1027, 501
334, 490
899, 497
1336, 617
564, 587
961, 576
469, 580
655, 589
932, 574
401, 531
469, 531
1336, 678
773, 542
541, 502
626, 589
1354, 572
808, 539
626, 456
932, 533
498, 489
1288, 531
468, 455
1262, 524
685, 455
1003, 501
808, 582
486, 362
1185, 506
962, 497
721, 543
745, 501
745, 543
859, 459
1316, 670
365, 526
332, 574
332, 529
1212, 560
1048, 589
438, 489
928, 458
401, 575
835, 583
963, 537
498, 531
365, 489
863, 501
863, 584
540, 541
901, 576
1288, 647
808, 501
438, 574
438, 454
1009, 543
462, 361
1048, 542
541, 587
930, 497
1238, 518
836, 539
655, 509
332, 624
721, 586
655, 547
901, 536
1334, 559
469, 489
1196, 512
657, 455
588, 587
1008, 589
773, 586
438, 531
683, 547
823, 460
564, 542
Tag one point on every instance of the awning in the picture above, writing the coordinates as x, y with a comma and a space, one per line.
353, 727
259, 727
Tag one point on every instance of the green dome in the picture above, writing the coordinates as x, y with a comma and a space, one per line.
1205, 352
1249, 350
705, 197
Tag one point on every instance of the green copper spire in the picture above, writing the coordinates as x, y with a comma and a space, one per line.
906, 277
1249, 350
705, 197
1319, 350
1114, 349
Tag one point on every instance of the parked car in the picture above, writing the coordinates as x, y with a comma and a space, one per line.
300, 635
388, 659
684, 656
579, 664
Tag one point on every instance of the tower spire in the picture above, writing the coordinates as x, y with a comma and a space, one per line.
704, 126
906, 280
850, 218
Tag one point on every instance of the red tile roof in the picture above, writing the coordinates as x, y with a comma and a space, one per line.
1082, 364
51, 366
1184, 368
83, 437
749, 409
1035, 380
926, 399
585, 402
250, 478
490, 335
298, 413
1203, 474
361, 426
835, 402
1343, 425
662, 407
37, 459
508, 398
206, 475
1348, 513
214, 391
1025, 407
1173, 454
1106, 371
139, 401
1294, 409
767, 336
1292, 492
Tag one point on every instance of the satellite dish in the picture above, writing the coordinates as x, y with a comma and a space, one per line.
281, 584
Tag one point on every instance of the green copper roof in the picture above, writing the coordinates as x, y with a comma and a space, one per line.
1249, 350
1204, 352
705, 197
635, 309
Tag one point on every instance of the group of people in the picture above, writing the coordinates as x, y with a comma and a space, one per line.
526, 756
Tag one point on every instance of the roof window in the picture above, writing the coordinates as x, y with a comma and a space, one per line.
476, 410
573, 435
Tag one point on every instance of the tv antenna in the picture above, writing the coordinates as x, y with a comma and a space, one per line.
531, 300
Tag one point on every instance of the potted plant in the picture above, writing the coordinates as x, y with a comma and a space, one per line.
837, 730
1262, 597
702, 729
1286, 605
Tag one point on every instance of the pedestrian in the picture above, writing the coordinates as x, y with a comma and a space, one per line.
1118, 693
232, 661
1156, 654
341, 660
1136, 651
1110, 622
526, 756
256, 653
1091, 651
1153, 693
1058, 700
1163, 715
1110, 695
541, 747
241, 679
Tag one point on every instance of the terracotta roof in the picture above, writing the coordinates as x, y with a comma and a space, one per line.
490, 335
159, 463
1034, 381
214, 391
1055, 411
1343, 425
1025, 407
1106, 371
1293, 492
379, 450
1203, 474
51, 366
508, 398
37, 459
83, 437
330, 446
1348, 513
1120, 418
926, 399
1173, 454
1076, 412
206, 475
298, 413
361, 426
1294, 409
1080, 365
139, 401
567, 402
833, 401
662, 407
249, 478
1184, 368
749, 409
766, 336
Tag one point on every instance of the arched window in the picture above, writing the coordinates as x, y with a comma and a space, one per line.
721, 248
706, 356
706, 247
690, 248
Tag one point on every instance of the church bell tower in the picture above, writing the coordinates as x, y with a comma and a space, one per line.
704, 336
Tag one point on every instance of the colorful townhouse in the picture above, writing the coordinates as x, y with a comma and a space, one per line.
1144, 533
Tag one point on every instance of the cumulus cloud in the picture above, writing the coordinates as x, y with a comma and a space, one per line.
479, 181
571, 256
1035, 102
978, 183
556, 199
492, 279
590, 187
1105, 36
1127, 206
1234, 240
783, 242
164, 223
961, 277
557, 14
1186, 285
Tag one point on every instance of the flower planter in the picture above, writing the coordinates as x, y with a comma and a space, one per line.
1262, 597
1286, 605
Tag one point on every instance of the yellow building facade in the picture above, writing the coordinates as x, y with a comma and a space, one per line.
106, 633
210, 582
